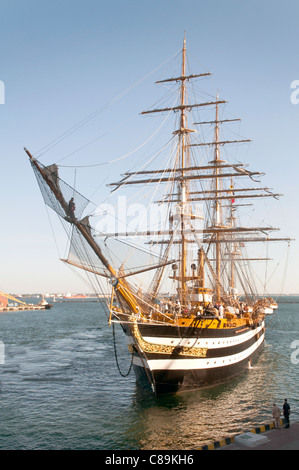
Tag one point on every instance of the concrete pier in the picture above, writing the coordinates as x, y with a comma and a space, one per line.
264, 437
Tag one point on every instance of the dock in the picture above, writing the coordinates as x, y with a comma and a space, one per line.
19, 305
23, 307
264, 437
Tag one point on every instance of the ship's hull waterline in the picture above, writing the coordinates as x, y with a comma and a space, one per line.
171, 359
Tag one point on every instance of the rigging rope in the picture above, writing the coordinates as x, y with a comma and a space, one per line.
266, 269
116, 159
116, 357
285, 269
92, 115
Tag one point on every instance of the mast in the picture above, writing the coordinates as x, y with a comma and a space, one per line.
217, 221
182, 176
183, 184
201, 267
233, 253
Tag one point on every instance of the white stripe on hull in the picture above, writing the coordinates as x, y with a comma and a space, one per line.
210, 343
198, 364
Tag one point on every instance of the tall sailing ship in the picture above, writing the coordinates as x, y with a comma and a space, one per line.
182, 292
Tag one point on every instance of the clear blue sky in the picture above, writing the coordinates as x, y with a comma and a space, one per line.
62, 60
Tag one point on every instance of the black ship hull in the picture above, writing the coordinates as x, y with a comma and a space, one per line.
229, 353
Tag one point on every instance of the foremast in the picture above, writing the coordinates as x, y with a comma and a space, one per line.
184, 163
184, 186
217, 221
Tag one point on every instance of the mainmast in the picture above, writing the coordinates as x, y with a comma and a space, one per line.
183, 185
233, 245
183, 173
217, 221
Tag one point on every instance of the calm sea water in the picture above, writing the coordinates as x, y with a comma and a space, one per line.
60, 387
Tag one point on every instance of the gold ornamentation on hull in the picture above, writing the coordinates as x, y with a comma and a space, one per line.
165, 349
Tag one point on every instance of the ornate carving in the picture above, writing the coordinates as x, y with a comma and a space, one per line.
165, 349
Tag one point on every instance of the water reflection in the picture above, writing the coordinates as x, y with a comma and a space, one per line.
191, 419
74, 378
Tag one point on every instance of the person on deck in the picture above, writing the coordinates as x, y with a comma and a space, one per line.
72, 207
221, 311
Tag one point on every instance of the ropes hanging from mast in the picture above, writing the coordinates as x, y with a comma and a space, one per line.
99, 110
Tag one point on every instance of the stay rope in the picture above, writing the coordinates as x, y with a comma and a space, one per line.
92, 115
116, 356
